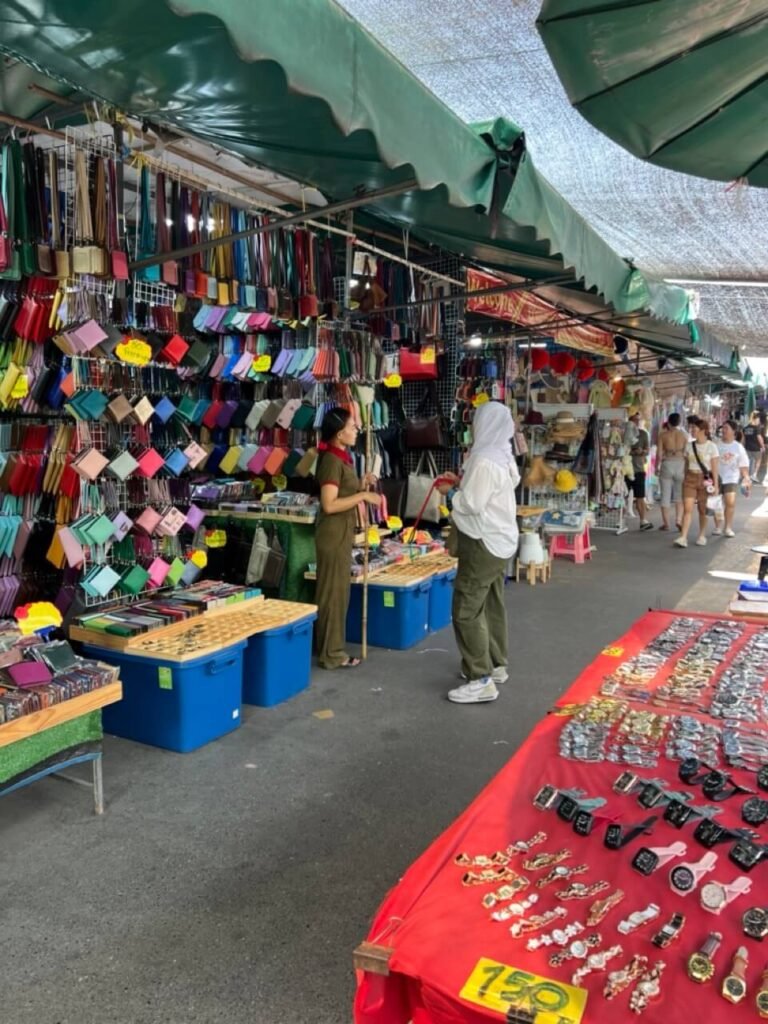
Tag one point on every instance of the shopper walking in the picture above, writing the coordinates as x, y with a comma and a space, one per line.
754, 443
640, 445
700, 481
485, 519
340, 494
734, 470
673, 441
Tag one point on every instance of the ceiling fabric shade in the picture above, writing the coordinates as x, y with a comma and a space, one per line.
682, 84
304, 90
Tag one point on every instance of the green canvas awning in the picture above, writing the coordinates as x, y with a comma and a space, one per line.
682, 84
301, 88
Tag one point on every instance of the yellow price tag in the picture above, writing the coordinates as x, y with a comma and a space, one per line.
612, 652
199, 558
394, 523
258, 485
262, 364
37, 615
481, 398
393, 380
21, 387
134, 352
500, 988
280, 482
427, 355
444, 511
216, 538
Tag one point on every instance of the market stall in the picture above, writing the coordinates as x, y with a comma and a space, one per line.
613, 866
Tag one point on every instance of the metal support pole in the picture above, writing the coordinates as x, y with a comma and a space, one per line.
98, 786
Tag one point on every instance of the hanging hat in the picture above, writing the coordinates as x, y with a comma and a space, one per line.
563, 418
560, 452
562, 363
539, 474
565, 481
539, 359
533, 418
584, 369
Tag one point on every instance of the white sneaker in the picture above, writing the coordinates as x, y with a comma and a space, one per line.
499, 675
476, 692
681, 542
701, 542
717, 532
729, 533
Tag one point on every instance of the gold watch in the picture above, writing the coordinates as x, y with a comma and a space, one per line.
735, 984
701, 967
761, 999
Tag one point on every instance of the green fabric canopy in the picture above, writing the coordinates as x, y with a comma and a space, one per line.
301, 88
682, 84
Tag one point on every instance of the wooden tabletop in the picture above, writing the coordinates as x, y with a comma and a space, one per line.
39, 721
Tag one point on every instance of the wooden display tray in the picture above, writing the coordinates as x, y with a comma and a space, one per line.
405, 574
39, 721
209, 633
750, 611
287, 515
96, 638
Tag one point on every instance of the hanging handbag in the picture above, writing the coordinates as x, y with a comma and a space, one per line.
418, 363
61, 256
424, 431
118, 258
421, 489
145, 246
12, 271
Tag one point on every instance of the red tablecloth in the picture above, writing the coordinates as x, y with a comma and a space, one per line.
438, 928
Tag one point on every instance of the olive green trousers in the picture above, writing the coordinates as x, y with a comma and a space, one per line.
479, 615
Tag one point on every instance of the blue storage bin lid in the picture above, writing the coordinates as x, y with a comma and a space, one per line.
289, 627
754, 587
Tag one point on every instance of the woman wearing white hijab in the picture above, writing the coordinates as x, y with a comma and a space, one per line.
485, 518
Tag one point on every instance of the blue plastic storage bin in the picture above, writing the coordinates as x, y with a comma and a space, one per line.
398, 617
441, 600
176, 705
278, 663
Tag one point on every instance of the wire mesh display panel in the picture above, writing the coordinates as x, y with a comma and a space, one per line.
610, 511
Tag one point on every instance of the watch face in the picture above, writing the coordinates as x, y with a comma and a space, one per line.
755, 811
545, 798
682, 879
567, 809
700, 967
762, 777
709, 833
613, 837
677, 813
761, 1001
645, 861
734, 988
714, 783
625, 782
755, 923
745, 854
650, 795
583, 823
713, 896
688, 768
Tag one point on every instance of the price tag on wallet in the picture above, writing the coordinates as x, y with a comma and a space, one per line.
501, 988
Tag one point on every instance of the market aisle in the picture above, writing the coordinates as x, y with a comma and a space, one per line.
232, 884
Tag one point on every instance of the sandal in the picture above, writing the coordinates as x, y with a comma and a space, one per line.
350, 663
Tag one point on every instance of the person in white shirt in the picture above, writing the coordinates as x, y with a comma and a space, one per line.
734, 467
485, 519
700, 481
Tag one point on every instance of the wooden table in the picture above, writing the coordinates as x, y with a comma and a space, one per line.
407, 573
20, 729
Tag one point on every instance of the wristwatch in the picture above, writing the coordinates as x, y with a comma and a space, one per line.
685, 877
755, 923
617, 836
754, 811
715, 896
700, 966
761, 999
649, 858
734, 986
709, 833
669, 932
762, 778
678, 813
638, 918
715, 786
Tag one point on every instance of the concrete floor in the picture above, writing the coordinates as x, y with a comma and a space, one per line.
232, 884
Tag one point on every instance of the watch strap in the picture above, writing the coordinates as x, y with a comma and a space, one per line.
711, 944
625, 835
668, 853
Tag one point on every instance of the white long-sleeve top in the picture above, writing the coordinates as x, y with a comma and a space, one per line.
484, 507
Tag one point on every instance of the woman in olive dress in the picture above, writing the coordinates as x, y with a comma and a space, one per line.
340, 494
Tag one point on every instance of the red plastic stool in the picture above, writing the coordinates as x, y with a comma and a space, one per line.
572, 545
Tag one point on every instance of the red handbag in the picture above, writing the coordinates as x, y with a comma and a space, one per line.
418, 364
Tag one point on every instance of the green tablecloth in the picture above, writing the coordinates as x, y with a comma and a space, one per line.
298, 543
25, 754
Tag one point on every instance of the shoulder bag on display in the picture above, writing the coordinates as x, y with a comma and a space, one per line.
424, 431
709, 483
61, 257
421, 485
418, 363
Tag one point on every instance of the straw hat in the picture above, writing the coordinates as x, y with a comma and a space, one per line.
539, 474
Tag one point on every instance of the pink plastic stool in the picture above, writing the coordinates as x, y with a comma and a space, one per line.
572, 545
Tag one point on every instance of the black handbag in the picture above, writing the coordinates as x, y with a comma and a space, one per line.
425, 431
